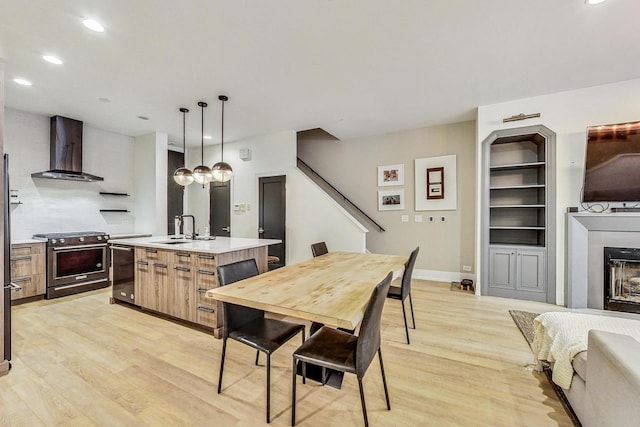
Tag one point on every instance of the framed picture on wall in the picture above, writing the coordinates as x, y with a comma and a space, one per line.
391, 200
390, 175
435, 183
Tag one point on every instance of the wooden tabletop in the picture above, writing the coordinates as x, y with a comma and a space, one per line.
332, 289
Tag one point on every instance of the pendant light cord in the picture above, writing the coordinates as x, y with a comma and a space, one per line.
202, 104
222, 135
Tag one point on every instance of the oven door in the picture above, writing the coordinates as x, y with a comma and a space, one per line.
72, 265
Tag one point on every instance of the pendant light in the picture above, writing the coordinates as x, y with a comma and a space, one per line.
222, 171
202, 173
183, 176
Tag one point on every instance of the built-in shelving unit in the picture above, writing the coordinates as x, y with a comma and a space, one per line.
517, 213
116, 194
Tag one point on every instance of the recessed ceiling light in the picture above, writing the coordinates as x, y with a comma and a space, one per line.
52, 59
143, 117
594, 1
22, 82
207, 137
93, 25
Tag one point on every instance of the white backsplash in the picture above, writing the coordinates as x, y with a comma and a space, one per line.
54, 205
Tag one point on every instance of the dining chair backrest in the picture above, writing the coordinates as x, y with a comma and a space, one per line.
319, 248
408, 272
237, 315
369, 338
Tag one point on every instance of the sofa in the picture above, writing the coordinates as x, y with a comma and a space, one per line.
605, 388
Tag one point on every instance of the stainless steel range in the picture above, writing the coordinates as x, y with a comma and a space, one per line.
76, 262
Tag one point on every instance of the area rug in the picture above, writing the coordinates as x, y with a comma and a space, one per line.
524, 322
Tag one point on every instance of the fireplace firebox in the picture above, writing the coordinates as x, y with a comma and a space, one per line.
622, 279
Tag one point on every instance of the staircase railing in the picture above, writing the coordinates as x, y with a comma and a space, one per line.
338, 192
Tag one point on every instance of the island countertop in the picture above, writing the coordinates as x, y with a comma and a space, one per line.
219, 245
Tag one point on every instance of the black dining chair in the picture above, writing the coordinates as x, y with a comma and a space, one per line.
249, 326
404, 290
319, 248
345, 352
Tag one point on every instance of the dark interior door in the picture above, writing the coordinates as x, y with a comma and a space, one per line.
175, 192
220, 208
272, 216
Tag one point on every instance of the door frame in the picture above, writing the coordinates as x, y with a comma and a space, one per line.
286, 208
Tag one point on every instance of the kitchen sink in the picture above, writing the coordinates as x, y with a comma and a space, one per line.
174, 242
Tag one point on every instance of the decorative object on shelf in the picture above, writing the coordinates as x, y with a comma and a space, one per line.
431, 175
183, 176
520, 116
435, 183
390, 175
202, 174
222, 171
391, 200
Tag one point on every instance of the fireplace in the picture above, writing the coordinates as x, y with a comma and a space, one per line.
622, 279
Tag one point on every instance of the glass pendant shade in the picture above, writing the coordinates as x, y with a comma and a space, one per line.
183, 176
222, 172
202, 174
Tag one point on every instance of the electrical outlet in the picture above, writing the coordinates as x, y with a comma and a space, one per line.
443, 218
430, 219
466, 268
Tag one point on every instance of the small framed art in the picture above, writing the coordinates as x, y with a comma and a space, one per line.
390, 175
391, 200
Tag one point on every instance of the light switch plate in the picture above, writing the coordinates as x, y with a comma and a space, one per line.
404, 218
417, 218
430, 219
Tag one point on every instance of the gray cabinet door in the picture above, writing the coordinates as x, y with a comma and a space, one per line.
518, 272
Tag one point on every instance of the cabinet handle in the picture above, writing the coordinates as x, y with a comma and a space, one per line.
202, 290
22, 279
206, 309
141, 262
20, 258
207, 272
183, 254
159, 264
151, 251
177, 267
202, 256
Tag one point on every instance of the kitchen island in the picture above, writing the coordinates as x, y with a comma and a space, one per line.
171, 274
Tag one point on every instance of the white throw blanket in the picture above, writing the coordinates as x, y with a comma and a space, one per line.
560, 336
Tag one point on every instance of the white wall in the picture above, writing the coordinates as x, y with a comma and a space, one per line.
568, 114
272, 155
151, 161
55, 206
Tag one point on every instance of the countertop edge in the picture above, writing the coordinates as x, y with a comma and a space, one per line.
219, 245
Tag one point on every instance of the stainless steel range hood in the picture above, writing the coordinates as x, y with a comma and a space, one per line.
66, 152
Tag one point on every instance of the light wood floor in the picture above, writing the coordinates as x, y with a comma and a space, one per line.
81, 361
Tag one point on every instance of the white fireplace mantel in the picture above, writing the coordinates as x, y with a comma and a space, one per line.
587, 234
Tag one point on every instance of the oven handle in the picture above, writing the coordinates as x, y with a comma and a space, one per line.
122, 248
65, 248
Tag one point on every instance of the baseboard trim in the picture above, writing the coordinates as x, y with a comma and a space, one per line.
4, 367
441, 276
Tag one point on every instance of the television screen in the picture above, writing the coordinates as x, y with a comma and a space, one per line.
612, 163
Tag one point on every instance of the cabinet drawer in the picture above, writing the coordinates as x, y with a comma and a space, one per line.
31, 286
205, 279
206, 261
27, 249
152, 254
207, 315
26, 265
183, 257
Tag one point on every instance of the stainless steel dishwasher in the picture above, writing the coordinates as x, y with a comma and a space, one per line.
122, 273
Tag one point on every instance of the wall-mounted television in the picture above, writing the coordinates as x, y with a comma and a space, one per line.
612, 163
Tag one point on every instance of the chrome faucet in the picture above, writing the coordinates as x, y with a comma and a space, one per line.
193, 226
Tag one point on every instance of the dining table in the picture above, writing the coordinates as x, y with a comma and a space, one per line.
332, 289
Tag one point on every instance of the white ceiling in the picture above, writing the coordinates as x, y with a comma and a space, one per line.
351, 67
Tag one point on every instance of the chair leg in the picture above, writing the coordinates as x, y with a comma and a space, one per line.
293, 392
257, 356
268, 388
406, 328
224, 350
364, 406
384, 379
413, 318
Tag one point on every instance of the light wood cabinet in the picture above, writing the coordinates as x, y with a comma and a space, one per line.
180, 295
151, 277
28, 269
